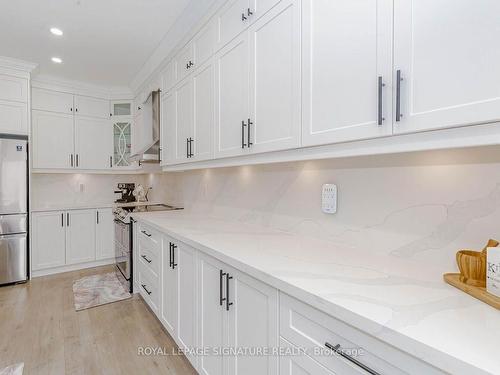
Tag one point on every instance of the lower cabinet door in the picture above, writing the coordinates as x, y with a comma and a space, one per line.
48, 231
212, 314
293, 363
80, 236
253, 323
105, 241
168, 310
184, 262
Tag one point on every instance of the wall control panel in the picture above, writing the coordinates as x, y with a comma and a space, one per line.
329, 199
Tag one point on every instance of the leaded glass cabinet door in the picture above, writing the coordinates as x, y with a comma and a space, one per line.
121, 143
121, 115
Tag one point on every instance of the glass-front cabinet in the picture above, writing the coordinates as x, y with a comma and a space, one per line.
121, 116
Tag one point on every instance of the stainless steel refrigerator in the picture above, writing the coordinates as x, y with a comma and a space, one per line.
13, 209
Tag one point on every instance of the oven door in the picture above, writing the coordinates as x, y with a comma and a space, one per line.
122, 248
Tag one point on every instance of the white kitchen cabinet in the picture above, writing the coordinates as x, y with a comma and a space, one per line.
203, 111
105, 240
53, 137
13, 88
168, 128
346, 47
52, 101
232, 91
80, 236
231, 20
93, 143
184, 62
169, 286
121, 128
13, 117
184, 123
92, 107
447, 53
293, 363
48, 239
169, 76
184, 263
253, 323
136, 132
274, 118
213, 327
204, 44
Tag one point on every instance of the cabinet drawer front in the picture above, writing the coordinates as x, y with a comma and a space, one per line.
149, 237
148, 288
13, 88
304, 326
13, 117
149, 257
293, 364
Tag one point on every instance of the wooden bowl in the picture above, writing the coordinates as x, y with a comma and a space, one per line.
472, 266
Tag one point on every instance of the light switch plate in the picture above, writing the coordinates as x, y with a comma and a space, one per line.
329, 199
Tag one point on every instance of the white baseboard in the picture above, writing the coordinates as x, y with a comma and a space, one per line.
72, 267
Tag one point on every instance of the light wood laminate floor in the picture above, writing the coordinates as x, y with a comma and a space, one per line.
40, 327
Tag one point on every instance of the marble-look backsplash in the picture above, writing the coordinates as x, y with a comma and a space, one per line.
61, 190
422, 206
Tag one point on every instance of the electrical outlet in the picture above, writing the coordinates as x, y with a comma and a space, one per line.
329, 199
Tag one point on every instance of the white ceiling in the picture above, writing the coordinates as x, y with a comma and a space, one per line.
105, 42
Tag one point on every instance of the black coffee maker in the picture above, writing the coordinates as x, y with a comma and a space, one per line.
126, 190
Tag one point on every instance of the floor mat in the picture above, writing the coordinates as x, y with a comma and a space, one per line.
16, 369
96, 290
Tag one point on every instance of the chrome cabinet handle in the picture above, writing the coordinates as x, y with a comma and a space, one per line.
250, 123
67, 219
221, 275
338, 350
399, 78
174, 246
145, 233
62, 219
77, 160
144, 287
381, 85
71, 159
97, 217
146, 259
227, 291
243, 144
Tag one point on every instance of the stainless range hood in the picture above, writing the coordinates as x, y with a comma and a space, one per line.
149, 148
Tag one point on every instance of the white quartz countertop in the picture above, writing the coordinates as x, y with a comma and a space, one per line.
83, 206
400, 301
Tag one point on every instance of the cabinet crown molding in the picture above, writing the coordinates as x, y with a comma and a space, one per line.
17, 67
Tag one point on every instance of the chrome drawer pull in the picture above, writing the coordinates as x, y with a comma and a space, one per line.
146, 259
144, 287
145, 233
338, 350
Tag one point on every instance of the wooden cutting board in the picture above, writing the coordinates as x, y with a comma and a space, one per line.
475, 291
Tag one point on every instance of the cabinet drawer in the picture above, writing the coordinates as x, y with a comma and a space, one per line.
304, 326
13, 88
149, 258
148, 287
149, 237
293, 363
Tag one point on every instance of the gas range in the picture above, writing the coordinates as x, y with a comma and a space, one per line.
123, 213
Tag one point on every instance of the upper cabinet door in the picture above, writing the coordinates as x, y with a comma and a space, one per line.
447, 53
53, 101
80, 236
204, 111
184, 123
347, 70
169, 76
231, 20
13, 88
93, 143
169, 128
184, 61
275, 78
231, 98
204, 44
13, 117
91, 107
52, 140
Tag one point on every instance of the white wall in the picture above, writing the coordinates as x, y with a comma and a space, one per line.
422, 206
61, 190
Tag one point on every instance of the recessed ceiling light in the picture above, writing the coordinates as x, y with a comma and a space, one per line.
56, 60
56, 31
